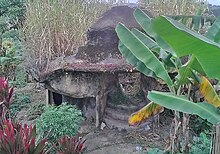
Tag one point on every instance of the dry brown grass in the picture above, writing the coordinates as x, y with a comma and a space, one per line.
173, 7
56, 28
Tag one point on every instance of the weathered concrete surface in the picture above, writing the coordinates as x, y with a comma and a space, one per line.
60, 66
112, 17
81, 84
102, 40
75, 84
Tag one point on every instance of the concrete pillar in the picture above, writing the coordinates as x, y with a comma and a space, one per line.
49, 97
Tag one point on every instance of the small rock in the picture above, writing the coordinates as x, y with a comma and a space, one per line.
103, 125
147, 127
138, 148
196, 139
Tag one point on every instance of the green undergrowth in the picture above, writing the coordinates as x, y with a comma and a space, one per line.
57, 121
20, 101
201, 145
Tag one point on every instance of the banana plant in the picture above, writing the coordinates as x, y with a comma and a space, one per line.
164, 35
136, 51
204, 51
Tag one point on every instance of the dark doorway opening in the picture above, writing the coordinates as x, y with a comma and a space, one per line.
57, 98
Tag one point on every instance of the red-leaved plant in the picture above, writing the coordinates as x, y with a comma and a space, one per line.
70, 145
18, 139
5, 93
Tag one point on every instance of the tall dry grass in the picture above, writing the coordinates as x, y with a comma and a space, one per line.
173, 7
56, 28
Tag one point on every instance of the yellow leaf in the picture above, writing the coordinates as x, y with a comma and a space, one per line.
208, 92
144, 113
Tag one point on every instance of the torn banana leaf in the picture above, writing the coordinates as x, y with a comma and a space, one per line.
144, 114
208, 92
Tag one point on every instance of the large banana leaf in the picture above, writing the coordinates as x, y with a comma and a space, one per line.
208, 92
180, 103
145, 22
144, 114
142, 53
185, 71
130, 58
186, 42
153, 46
214, 31
149, 42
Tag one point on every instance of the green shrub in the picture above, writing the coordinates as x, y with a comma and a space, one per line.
20, 101
11, 53
20, 77
59, 121
12, 13
155, 151
36, 110
202, 146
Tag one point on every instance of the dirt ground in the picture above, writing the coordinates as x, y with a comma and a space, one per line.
137, 140
125, 142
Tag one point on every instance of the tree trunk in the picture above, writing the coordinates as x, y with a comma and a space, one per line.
215, 145
176, 140
101, 99
185, 125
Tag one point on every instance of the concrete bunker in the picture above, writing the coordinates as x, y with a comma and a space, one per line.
93, 74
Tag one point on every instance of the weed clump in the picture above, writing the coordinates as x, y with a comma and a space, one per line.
57, 121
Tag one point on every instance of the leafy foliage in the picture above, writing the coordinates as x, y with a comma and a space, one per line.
142, 53
11, 14
169, 100
18, 139
59, 121
11, 53
214, 31
20, 101
155, 151
36, 110
202, 145
20, 77
11, 17
5, 93
177, 36
70, 145
192, 54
